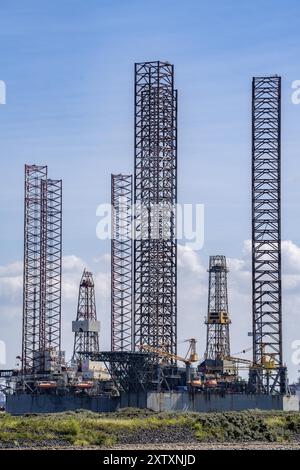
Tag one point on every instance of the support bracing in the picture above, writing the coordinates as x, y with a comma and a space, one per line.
121, 263
51, 249
86, 327
130, 371
33, 227
268, 374
155, 197
217, 321
42, 268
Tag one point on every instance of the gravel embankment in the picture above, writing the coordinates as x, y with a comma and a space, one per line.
47, 444
163, 446
173, 434
207, 446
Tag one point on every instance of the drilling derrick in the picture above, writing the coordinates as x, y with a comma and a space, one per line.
41, 335
121, 263
270, 376
217, 321
86, 327
155, 197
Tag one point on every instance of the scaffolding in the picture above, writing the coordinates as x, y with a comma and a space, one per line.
51, 249
121, 263
41, 329
266, 236
155, 197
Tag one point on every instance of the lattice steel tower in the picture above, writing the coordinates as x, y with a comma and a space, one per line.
217, 321
266, 236
41, 332
86, 327
155, 196
121, 263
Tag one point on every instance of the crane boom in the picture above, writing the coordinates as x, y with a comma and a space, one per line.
267, 363
162, 353
186, 360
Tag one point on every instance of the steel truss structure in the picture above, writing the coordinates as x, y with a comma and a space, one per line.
51, 254
86, 326
217, 321
155, 197
121, 263
130, 371
42, 267
270, 377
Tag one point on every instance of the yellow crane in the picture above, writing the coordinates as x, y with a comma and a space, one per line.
191, 355
267, 362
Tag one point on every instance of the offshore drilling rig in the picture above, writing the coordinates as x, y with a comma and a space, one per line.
217, 368
143, 368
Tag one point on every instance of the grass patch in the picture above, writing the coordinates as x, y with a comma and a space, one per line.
275, 421
83, 429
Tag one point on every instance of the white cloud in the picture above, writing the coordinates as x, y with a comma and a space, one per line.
72, 262
103, 260
10, 287
247, 247
11, 269
290, 257
291, 281
188, 260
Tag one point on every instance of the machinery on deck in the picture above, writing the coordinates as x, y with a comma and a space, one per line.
190, 358
143, 356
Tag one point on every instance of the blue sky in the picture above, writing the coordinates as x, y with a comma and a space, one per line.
68, 68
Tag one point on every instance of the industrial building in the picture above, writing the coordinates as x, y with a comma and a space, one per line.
143, 367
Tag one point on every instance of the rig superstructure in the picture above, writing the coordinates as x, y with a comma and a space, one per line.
143, 367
